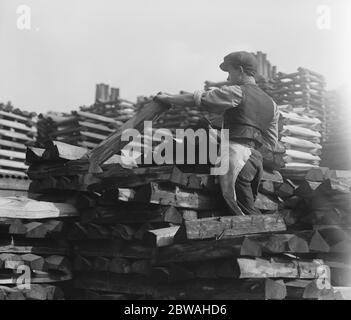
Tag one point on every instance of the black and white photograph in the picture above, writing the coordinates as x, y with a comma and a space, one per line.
175, 156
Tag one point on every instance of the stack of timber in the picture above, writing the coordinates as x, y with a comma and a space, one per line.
321, 201
17, 129
304, 90
301, 137
144, 232
88, 126
34, 253
147, 231
337, 147
80, 128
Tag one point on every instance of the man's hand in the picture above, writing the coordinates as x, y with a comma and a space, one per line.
209, 84
163, 97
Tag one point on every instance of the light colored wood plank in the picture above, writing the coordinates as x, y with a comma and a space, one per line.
17, 126
13, 164
231, 226
15, 135
12, 154
24, 208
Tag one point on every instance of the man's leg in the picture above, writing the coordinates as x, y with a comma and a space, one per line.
237, 157
247, 184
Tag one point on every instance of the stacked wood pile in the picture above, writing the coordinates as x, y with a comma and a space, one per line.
34, 252
300, 135
304, 90
337, 147
17, 129
80, 128
90, 125
321, 201
163, 232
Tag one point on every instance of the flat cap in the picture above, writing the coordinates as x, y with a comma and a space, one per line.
240, 58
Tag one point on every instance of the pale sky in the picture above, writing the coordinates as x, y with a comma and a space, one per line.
147, 46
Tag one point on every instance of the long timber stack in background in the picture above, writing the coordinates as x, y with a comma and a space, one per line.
88, 126
17, 130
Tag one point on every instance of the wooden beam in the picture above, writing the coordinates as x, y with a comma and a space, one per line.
164, 194
25, 208
113, 248
227, 227
113, 143
13, 164
116, 175
275, 268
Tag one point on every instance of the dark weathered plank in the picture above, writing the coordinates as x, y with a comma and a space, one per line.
113, 248
118, 176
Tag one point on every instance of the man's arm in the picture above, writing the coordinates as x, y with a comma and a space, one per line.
185, 100
216, 100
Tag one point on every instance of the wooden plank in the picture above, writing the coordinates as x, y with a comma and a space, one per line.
96, 117
24, 208
38, 277
255, 245
130, 214
13, 193
275, 268
15, 135
113, 144
56, 150
17, 125
113, 248
35, 292
12, 154
12, 145
88, 144
227, 227
38, 230
118, 176
164, 194
12, 173
345, 292
94, 136
14, 184
14, 116
195, 289
95, 126
13, 164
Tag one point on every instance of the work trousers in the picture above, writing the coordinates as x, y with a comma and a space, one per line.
240, 182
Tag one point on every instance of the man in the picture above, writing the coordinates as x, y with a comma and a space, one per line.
252, 119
